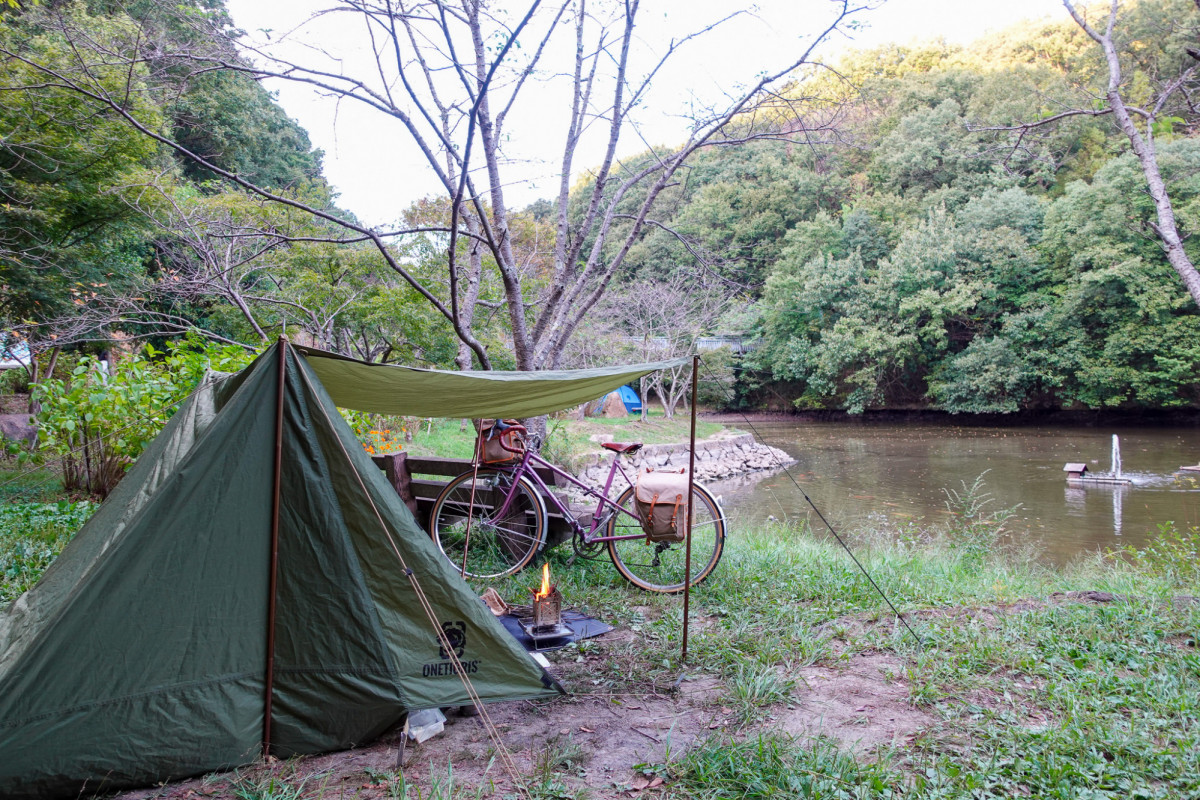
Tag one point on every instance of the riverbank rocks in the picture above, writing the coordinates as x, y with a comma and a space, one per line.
723, 456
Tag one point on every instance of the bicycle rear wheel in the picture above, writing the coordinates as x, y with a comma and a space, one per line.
660, 566
466, 528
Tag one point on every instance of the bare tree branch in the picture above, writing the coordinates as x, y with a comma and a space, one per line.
1142, 144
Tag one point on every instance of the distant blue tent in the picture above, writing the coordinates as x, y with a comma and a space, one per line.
633, 403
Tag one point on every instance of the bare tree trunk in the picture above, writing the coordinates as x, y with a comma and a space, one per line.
679, 380
464, 360
1143, 147
658, 384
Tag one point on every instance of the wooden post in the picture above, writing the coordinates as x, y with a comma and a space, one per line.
687, 546
269, 687
395, 467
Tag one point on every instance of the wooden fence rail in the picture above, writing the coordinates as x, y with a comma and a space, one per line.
418, 480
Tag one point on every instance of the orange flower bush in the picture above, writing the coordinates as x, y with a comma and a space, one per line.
375, 440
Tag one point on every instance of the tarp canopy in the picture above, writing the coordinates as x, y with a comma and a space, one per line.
415, 392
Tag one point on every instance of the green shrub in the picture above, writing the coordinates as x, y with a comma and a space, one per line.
96, 423
14, 381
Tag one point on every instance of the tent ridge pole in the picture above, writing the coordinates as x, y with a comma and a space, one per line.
687, 547
269, 682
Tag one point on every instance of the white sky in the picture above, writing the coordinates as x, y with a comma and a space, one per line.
369, 162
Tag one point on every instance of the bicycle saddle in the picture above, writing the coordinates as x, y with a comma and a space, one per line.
622, 447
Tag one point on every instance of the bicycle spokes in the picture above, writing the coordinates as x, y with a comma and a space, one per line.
506, 523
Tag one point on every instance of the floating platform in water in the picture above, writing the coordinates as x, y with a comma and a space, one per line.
1110, 480
1077, 473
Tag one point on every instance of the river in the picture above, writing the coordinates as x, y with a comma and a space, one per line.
891, 476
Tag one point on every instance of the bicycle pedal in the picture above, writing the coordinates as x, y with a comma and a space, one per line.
571, 560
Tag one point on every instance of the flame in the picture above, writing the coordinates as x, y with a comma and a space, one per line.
545, 592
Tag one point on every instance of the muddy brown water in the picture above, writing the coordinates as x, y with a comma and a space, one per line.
881, 475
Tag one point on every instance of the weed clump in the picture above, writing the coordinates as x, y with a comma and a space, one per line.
974, 529
757, 687
31, 537
1172, 555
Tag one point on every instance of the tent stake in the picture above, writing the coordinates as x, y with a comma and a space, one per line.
687, 546
269, 688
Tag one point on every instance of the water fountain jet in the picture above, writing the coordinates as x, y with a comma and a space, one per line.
1077, 472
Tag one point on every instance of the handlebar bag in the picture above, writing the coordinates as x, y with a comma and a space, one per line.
499, 444
662, 501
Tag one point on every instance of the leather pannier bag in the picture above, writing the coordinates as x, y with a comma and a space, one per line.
662, 502
496, 446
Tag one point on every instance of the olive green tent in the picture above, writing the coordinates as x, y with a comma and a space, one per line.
167, 640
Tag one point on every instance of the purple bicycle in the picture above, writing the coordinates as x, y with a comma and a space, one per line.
491, 522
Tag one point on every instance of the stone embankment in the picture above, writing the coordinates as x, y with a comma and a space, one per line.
723, 456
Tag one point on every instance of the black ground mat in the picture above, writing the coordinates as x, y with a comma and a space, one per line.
582, 627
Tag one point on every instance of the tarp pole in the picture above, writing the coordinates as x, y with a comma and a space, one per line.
471, 507
269, 682
687, 546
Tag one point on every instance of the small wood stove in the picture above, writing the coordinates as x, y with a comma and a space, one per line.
547, 610
544, 617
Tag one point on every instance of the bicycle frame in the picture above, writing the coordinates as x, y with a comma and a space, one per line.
599, 517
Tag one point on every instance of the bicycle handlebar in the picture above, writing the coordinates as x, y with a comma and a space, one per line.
518, 430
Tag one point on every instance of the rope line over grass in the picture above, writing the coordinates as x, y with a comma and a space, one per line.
821, 516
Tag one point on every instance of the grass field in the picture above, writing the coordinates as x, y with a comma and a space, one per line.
28, 483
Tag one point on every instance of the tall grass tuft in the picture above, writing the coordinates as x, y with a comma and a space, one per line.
974, 529
1172, 555
756, 687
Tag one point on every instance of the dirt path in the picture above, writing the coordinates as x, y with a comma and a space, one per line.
595, 738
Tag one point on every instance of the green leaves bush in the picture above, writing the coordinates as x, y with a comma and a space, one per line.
96, 423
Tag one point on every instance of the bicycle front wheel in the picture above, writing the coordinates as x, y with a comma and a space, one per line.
660, 566
489, 522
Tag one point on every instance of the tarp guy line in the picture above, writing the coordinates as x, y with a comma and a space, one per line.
821, 516
506, 757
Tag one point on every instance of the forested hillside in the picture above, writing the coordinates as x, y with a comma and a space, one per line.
911, 258
886, 231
